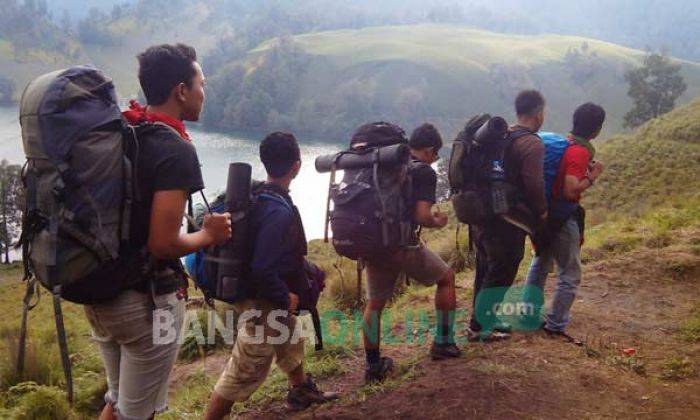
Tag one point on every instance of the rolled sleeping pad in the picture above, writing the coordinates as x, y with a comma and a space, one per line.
493, 130
237, 202
238, 187
355, 159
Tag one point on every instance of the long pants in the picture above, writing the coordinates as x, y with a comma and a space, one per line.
565, 250
500, 247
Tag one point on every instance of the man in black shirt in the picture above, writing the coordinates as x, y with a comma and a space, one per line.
138, 359
416, 261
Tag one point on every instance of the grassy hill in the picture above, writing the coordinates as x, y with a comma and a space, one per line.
443, 73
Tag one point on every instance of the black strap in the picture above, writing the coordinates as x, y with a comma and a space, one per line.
27, 306
317, 328
62, 342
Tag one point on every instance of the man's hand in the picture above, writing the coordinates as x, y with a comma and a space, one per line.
217, 227
596, 169
293, 302
440, 219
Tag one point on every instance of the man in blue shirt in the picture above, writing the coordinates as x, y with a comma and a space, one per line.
268, 328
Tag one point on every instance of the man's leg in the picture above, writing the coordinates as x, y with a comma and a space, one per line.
505, 246
445, 306
247, 367
540, 268
381, 279
371, 328
482, 268
289, 356
568, 257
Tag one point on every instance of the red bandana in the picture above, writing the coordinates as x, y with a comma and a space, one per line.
137, 114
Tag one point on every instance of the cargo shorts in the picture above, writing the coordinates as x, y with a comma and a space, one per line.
139, 346
259, 341
419, 263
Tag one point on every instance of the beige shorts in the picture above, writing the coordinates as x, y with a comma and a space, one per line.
139, 347
419, 263
258, 343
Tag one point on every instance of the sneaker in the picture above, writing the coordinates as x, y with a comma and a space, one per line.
304, 395
503, 328
484, 337
377, 372
441, 351
563, 335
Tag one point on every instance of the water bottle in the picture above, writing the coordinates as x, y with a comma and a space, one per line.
499, 201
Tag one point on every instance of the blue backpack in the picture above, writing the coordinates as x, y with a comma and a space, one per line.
194, 262
555, 146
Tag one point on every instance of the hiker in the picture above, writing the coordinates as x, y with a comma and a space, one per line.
577, 172
137, 361
500, 240
416, 261
271, 296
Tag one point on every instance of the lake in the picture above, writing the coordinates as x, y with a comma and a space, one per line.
216, 150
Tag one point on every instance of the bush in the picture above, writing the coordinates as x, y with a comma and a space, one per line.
43, 403
678, 368
38, 367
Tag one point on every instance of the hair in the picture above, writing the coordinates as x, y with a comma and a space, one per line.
529, 103
588, 120
278, 152
163, 67
425, 135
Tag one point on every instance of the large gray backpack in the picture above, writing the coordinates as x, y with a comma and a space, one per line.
79, 185
79, 180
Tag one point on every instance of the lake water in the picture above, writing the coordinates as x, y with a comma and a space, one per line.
216, 150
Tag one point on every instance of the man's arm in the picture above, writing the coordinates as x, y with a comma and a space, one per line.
574, 186
532, 174
164, 237
424, 215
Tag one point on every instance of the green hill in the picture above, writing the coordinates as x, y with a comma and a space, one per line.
440, 73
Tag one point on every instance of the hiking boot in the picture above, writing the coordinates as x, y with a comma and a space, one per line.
302, 396
563, 335
377, 372
485, 337
441, 351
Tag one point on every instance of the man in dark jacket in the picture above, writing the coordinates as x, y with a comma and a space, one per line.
500, 242
269, 329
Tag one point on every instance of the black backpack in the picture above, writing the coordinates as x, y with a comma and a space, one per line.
478, 147
371, 218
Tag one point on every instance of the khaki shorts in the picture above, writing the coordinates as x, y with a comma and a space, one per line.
419, 263
139, 347
258, 343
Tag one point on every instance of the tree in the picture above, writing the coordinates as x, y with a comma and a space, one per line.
654, 88
10, 206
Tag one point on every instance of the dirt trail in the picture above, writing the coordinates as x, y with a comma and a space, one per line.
636, 300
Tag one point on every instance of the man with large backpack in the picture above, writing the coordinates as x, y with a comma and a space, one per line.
415, 260
500, 239
268, 299
137, 360
577, 172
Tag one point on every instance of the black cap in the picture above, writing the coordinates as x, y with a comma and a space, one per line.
425, 136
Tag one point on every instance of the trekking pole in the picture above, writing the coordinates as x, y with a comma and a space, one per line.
62, 343
23, 328
331, 183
